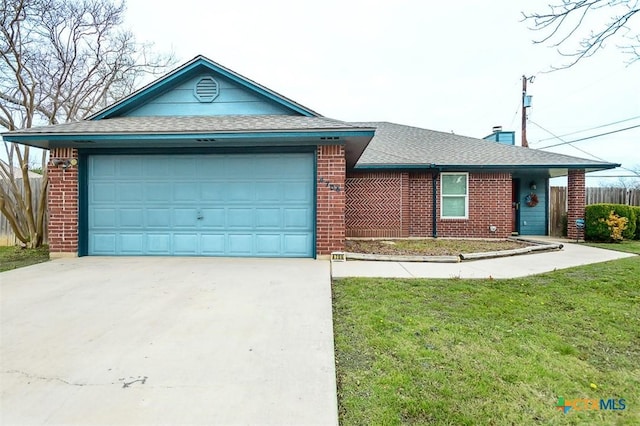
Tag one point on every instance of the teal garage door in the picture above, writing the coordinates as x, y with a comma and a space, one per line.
259, 205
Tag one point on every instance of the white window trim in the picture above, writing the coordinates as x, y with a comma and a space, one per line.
466, 196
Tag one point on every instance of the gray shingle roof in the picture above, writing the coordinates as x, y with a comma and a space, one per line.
190, 124
399, 145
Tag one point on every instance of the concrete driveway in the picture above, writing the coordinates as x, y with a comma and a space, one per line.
99, 340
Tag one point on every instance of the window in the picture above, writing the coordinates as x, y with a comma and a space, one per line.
454, 199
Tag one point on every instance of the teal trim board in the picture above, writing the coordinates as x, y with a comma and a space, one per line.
246, 205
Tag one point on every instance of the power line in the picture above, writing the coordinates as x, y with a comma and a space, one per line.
591, 128
590, 137
572, 146
582, 150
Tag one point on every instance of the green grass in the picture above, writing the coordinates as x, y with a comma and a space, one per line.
15, 257
628, 246
467, 352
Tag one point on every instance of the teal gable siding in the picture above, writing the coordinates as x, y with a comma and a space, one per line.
232, 99
533, 220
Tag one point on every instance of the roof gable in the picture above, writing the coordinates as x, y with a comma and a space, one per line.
174, 94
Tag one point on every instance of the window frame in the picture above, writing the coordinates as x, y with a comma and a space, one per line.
443, 196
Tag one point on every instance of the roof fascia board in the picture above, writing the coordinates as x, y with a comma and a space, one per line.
157, 86
218, 135
602, 166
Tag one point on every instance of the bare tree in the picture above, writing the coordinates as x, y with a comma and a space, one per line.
60, 60
579, 28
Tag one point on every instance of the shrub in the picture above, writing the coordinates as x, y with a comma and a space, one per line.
616, 225
637, 210
598, 230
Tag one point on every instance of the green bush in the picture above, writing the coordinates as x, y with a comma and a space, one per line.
637, 210
598, 230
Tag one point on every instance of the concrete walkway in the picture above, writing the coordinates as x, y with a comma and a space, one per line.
118, 341
571, 255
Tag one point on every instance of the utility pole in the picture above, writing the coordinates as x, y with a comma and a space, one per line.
526, 103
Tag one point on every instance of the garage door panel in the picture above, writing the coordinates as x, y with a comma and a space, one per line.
242, 192
211, 167
104, 193
158, 243
213, 244
297, 192
187, 192
185, 244
215, 205
103, 243
157, 167
296, 244
268, 218
268, 244
129, 167
183, 167
104, 218
213, 218
129, 191
131, 218
240, 218
298, 167
268, 191
212, 191
297, 218
132, 244
104, 168
240, 244
157, 191
185, 217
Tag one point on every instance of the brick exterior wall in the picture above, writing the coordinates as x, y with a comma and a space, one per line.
374, 205
576, 202
393, 204
330, 213
63, 203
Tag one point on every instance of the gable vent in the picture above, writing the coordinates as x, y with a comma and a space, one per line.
206, 89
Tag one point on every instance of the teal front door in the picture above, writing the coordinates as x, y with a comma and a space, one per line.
256, 205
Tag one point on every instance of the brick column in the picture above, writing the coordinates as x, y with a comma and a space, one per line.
63, 204
576, 202
330, 218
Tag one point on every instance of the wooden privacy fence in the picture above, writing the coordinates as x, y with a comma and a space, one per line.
595, 195
7, 237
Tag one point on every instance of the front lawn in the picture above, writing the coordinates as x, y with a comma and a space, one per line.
628, 246
467, 352
13, 257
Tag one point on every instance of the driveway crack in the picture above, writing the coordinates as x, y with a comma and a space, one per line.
44, 378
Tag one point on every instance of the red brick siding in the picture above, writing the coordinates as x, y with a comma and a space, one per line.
420, 201
374, 205
576, 202
395, 204
330, 214
63, 203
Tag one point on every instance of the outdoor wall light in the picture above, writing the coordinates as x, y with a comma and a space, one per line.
493, 228
532, 185
64, 163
